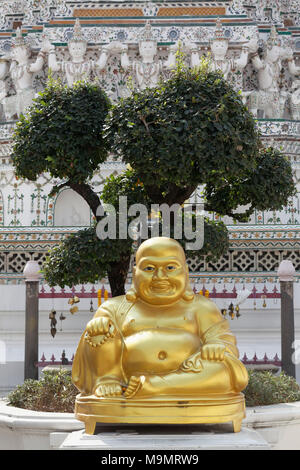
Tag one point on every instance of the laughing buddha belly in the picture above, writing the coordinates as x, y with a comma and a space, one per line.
157, 346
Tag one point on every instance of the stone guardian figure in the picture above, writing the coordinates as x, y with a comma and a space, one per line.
22, 72
219, 48
269, 99
147, 70
78, 68
295, 93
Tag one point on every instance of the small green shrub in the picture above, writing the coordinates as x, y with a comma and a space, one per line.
265, 388
53, 392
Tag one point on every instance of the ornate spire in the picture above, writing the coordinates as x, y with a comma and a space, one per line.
219, 33
273, 39
77, 33
147, 34
18, 40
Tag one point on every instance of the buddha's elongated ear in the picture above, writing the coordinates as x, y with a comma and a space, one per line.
188, 294
131, 295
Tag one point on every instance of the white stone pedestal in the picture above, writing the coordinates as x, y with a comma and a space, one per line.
165, 437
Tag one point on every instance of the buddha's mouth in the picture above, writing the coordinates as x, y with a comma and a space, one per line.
161, 286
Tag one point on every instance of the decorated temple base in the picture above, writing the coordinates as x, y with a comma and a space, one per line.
172, 437
92, 410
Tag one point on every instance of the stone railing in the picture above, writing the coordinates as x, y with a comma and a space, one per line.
279, 127
6, 130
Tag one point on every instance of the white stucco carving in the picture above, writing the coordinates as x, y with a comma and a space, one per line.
295, 91
269, 98
21, 71
148, 68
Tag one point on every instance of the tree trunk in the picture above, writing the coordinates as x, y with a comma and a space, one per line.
88, 194
118, 272
117, 275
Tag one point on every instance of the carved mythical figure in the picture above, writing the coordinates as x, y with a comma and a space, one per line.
3, 72
295, 94
157, 347
269, 98
219, 48
22, 72
78, 68
147, 71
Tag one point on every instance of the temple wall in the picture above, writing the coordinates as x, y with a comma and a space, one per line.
31, 221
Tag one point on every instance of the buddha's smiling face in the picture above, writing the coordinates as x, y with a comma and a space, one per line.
160, 275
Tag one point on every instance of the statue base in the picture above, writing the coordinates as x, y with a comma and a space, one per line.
138, 439
161, 410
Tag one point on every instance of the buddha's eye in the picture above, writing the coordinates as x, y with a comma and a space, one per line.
171, 267
149, 268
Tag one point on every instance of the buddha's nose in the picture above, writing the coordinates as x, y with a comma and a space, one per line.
159, 273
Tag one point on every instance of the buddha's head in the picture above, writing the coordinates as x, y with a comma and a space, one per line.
160, 276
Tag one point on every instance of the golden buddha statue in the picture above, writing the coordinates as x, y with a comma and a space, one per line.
160, 353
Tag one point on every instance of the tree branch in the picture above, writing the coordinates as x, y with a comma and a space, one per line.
88, 194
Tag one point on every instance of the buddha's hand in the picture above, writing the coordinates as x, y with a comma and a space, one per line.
213, 352
100, 326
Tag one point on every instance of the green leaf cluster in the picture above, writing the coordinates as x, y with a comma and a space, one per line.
62, 133
268, 186
187, 129
266, 388
83, 257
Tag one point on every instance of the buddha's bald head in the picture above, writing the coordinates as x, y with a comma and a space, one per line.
161, 274
160, 246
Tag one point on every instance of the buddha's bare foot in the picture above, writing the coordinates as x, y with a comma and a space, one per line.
109, 389
134, 385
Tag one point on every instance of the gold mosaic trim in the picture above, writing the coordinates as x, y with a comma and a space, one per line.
191, 11
108, 12
164, 11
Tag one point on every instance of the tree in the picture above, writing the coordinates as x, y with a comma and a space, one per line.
194, 130
191, 130
62, 135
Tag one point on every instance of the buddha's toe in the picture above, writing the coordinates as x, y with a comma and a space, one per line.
108, 390
134, 385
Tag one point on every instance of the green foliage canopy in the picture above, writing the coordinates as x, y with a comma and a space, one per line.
190, 127
195, 130
62, 133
